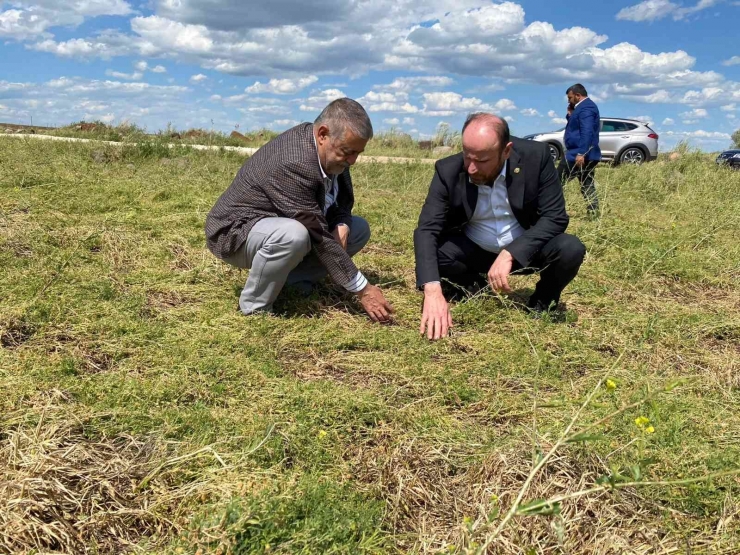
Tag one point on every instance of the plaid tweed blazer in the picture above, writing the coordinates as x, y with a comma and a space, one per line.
283, 179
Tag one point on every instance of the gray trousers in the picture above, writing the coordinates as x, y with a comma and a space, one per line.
278, 251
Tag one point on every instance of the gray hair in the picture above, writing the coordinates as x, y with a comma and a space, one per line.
345, 114
499, 124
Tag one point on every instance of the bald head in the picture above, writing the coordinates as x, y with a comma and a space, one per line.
486, 146
485, 129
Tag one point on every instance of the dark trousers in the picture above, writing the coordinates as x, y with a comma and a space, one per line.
464, 263
585, 174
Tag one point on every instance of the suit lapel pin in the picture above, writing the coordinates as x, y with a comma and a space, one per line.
516, 170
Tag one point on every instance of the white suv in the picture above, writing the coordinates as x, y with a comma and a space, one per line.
622, 141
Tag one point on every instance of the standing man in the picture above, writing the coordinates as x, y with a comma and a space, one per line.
495, 208
582, 145
287, 216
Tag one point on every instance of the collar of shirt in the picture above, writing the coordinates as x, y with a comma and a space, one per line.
579, 102
499, 176
323, 173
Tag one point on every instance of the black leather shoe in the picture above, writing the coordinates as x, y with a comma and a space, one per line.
539, 307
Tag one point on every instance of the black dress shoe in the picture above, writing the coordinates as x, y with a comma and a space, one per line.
553, 312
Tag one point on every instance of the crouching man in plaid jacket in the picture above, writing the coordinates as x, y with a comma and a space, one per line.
287, 216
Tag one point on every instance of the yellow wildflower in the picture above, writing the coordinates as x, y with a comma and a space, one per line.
322, 434
611, 385
642, 421
649, 430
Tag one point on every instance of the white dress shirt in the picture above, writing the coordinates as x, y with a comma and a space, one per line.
332, 190
493, 225
330, 184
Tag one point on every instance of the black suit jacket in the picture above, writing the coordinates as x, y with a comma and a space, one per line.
535, 195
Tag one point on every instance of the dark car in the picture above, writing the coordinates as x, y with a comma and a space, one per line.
730, 158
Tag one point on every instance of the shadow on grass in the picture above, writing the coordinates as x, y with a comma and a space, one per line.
293, 302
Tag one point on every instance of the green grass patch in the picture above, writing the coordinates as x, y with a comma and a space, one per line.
315, 431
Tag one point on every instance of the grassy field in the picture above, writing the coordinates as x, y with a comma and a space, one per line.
139, 410
387, 143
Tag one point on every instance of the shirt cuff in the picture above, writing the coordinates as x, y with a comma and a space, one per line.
357, 284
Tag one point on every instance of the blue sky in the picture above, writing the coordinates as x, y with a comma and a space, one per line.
245, 64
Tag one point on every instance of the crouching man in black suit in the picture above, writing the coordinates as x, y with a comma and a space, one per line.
495, 208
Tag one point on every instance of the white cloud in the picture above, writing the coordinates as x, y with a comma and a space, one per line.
263, 109
625, 58
391, 121
105, 46
492, 41
387, 102
136, 76
282, 86
696, 113
199, 78
509, 118
6, 86
321, 17
77, 85
681, 13
318, 101
668, 121
729, 107
559, 121
31, 19
408, 84
404, 108
658, 97
735, 60
652, 10
449, 103
700, 134
729, 91
504, 105
643, 119
530, 112
689, 121
409, 121
373, 96
283, 123
143, 66
552, 114
471, 26
66, 99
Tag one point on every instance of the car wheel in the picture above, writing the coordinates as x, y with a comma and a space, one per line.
632, 155
554, 152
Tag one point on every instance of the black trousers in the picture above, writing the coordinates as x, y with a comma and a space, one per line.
585, 174
464, 263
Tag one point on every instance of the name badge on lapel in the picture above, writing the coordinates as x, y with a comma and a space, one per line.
516, 170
